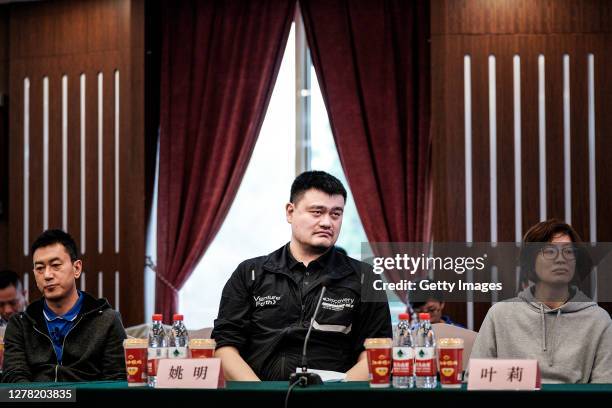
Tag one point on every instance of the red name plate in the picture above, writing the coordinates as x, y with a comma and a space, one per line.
498, 374
190, 373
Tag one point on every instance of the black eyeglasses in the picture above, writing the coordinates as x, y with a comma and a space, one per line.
551, 252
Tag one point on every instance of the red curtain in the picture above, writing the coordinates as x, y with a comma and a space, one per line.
373, 65
220, 60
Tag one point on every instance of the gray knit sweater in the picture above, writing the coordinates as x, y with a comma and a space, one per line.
573, 343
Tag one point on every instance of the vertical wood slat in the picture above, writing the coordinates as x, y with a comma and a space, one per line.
35, 177
100, 147
579, 138
91, 258
505, 152
74, 154
55, 146
65, 157
109, 260
505, 142
480, 51
468, 86
24, 200
36, 170
552, 50
529, 131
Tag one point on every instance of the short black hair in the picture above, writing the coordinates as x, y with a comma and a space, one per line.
319, 180
57, 236
536, 238
9, 278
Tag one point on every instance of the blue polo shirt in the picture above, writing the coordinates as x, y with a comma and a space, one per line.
59, 326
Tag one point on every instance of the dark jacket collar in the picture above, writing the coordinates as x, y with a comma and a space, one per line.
34, 311
334, 264
290, 262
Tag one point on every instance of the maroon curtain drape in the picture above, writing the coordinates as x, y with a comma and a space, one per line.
372, 61
219, 64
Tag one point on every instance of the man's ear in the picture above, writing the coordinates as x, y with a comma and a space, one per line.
441, 306
289, 209
78, 268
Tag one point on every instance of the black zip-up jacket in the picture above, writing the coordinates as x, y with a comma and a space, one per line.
93, 348
265, 313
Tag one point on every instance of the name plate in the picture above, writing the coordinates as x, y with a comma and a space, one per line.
190, 373
499, 374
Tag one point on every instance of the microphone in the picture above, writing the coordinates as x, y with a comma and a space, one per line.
305, 378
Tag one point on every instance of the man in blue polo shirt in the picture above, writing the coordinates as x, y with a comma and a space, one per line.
67, 335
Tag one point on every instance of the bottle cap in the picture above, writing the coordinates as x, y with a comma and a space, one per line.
404, 316
424, 316
158, 317
177, 316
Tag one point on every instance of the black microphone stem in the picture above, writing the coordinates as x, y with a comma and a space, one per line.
304, 360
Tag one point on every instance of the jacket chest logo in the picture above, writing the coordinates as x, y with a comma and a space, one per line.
337, 305
269, 300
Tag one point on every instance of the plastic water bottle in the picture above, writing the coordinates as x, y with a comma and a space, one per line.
179, 339
157, 349
403, 354
425, 354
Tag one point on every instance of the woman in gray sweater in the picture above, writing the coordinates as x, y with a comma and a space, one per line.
551, 321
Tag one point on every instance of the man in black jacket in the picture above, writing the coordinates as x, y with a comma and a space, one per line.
268, 303
67, 335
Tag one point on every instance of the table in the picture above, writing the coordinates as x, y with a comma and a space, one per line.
337, 395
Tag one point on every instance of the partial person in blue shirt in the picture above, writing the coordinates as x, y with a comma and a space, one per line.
12, 296
67, 335
434, 307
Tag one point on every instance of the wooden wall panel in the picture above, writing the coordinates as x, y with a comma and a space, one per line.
529, 132
74, 151
528, 29
4, 64
448, 153
505, 143
480, 151
603, 140
579, 138
71, 38
520, 16
553, 49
